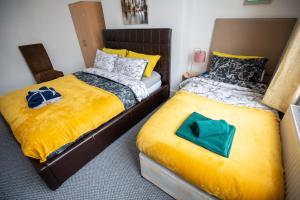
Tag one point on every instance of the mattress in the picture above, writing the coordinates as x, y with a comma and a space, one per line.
153, 79
254, 168
154, 87
153, 82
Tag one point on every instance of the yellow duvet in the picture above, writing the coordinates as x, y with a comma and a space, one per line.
42, 131
254, 168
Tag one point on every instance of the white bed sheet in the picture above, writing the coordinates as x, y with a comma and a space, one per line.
226, 93
153, 82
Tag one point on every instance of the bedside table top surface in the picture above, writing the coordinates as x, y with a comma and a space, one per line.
190, 74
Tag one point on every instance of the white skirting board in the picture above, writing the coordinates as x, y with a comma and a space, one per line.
170, 182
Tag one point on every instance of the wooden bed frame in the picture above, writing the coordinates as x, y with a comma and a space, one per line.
261, 37
150, 41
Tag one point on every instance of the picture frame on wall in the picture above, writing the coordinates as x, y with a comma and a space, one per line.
134, 11
254, 2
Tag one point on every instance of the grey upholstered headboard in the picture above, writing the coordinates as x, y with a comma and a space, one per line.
256, 36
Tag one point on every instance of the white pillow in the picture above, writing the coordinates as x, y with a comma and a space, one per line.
105, 61
131, 67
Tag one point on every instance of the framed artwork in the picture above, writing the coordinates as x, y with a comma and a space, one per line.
252, 2
134, 11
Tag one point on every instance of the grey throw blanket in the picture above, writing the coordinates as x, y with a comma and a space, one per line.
124, 93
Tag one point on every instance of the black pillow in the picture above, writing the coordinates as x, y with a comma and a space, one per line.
236, 69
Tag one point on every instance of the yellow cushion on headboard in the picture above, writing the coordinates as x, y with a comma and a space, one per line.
234, 56
120, 52
152, 60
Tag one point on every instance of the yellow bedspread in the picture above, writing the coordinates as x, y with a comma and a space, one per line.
254, 168
44, 130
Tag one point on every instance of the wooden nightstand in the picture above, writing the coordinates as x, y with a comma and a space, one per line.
188, 75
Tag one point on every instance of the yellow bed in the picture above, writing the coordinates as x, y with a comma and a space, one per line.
254, 167
42, 131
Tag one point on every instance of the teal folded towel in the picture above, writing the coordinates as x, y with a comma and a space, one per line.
204, 128
217, 143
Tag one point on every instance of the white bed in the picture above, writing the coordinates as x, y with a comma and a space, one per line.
167, 180
170, 182
241, 37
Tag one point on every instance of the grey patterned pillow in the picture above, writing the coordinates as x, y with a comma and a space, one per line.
105, 61
131, 67
235, 69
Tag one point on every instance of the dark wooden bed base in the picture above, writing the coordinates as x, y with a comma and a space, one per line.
151, 41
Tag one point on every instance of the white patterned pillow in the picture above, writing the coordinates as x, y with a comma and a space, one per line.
105, 61
131, 67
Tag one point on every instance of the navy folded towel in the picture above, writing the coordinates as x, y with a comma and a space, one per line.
41, 97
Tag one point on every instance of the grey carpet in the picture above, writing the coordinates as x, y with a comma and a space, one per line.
113, 174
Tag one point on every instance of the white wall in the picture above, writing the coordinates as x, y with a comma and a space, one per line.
192, 22
162, 14
32, 21
49, 22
